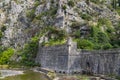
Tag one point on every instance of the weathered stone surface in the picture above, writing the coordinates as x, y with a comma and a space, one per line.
66, 58
59, 57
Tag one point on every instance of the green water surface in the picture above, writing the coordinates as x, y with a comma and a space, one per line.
29, 75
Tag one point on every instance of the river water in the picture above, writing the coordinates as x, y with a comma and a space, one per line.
28, 75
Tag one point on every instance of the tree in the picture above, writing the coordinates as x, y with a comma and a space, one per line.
119, 2
114, 2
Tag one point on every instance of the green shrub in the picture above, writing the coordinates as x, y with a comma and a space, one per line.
99, 36
95, 1
104, 21
56, 36
30, 14
1, 35
118, 10
60, 33
107, 46
94, 32
71, 3
102, 38
39, 16
50, 12
76, 34
64, 7
29, 52
75, 25
53, 11
53, 42
86, 16
97, 46
6, 55
3, 28
84, 44
37, 3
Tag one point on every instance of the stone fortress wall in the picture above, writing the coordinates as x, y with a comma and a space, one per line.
68, 59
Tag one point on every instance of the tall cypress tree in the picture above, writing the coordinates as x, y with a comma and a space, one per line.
114, 4
119, 2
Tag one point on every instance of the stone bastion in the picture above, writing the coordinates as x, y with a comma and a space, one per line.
68, 59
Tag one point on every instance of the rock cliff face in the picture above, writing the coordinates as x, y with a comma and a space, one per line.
14, 22
22, 19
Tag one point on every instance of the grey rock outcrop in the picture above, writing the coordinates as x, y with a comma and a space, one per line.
20, 28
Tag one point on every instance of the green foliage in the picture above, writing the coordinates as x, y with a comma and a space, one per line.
71, 3
6, 55
56, 36
37, 3
76, 34
50, 12
84, 44
107, 46
115, 37
104, 21
98, 35
86, 16
97, 46
95, 1
30, 14
64, 7
102, 37
114, 4
118, 10
3, 28
17, 1
29, 52
60, 34
98, 1
75, 25
94, 32
38, 17
53, 42
1, 35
